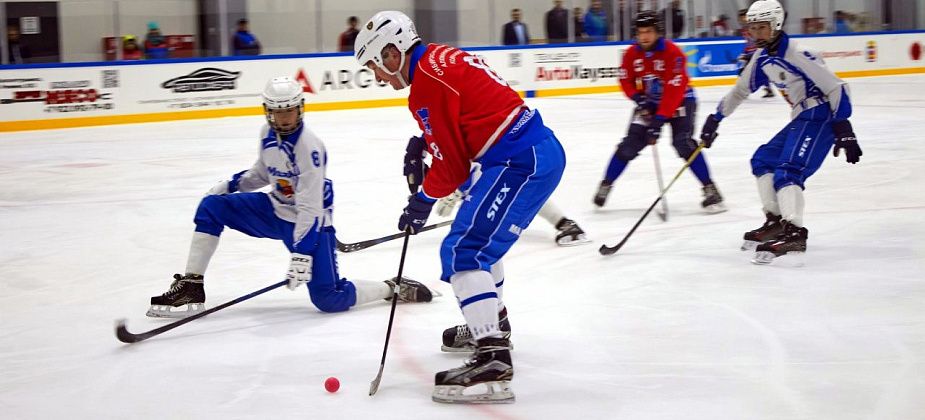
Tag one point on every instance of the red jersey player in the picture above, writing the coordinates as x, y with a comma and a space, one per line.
658, 66
468, 114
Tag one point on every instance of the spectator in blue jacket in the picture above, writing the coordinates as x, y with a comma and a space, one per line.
595, 23
155, 44
244, 42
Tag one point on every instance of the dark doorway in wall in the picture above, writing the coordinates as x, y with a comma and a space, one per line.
37, 24
214, 34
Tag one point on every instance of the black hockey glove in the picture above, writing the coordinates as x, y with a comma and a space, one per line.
415, 214
708, 132
415, 169
643, 106
654, 130
845, 139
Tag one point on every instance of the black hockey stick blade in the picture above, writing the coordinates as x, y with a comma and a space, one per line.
358, 246
125, 336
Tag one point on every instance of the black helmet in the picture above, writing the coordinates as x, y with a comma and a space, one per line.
648, 19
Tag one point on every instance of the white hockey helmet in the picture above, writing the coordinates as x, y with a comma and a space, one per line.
281, 94
767, 11
384, 28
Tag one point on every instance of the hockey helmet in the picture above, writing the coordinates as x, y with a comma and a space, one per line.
648, 19
385, 28
767, 11
283, 94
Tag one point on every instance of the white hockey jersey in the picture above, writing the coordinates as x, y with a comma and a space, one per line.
295, 167
800, 75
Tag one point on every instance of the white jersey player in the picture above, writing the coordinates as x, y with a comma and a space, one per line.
821, 108
297, 211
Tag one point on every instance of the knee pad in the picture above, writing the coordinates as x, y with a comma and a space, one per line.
329, 299
634, 141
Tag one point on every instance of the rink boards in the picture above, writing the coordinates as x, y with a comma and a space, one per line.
45, 96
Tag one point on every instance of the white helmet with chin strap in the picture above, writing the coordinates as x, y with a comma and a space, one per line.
767, 11
383, 29
281, 94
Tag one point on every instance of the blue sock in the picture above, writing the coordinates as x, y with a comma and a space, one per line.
615, 168
700, 170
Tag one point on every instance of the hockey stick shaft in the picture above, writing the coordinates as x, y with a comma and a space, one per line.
661, 183
359, 246
374, 385
609, 250
126, 337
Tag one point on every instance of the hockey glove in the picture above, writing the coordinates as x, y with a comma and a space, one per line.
446, 204
220, 189
845, 139
415, 214
415, 168
708, 132
644, 107
654, 130
300, 270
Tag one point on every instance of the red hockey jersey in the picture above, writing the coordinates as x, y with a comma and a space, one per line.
462, 106
660, 73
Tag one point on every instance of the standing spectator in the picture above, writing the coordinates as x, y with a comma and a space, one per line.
596, 22
675, 18
841, 22
721, 26
155, 44
17, 53
579, 25
130, 50
244, 42
515, 31
557, 24
348, 37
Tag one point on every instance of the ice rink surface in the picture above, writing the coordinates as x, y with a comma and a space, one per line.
677, 325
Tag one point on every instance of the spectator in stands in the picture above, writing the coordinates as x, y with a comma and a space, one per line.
596, 22
155, 44
674, 26
721, 26
17, 53
579, 25
130, 50
557, 24
244, 42
348, 37
515, 32
841, 22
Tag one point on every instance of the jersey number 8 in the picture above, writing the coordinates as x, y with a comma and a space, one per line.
477, 62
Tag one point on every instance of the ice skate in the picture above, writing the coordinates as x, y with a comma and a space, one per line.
186, 291
459, 339
791, 242
483, 379
712, 201
768, 92
769, 230
569, 233
602, 192
411, 291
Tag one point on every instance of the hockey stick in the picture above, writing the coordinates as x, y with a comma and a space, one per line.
374, 385
609, 250
358, 246
126, 337
661, 184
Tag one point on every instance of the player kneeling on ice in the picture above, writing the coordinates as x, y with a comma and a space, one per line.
568, 233
660, 68
469, 114
298, 212
821, 108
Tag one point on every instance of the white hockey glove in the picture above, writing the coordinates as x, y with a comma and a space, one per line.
446, 204
220, 189
300, 270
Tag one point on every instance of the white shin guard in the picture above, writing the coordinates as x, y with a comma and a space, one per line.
768, 195
791, 204
370, 291
201, 249
497, 275
549, 212
475, 290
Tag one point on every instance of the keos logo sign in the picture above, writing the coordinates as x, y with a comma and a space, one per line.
204, 80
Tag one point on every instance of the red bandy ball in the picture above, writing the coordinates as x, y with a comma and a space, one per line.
331, 384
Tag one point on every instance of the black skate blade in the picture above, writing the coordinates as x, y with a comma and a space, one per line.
793, 259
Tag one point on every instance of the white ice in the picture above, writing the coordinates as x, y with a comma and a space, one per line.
677, 325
